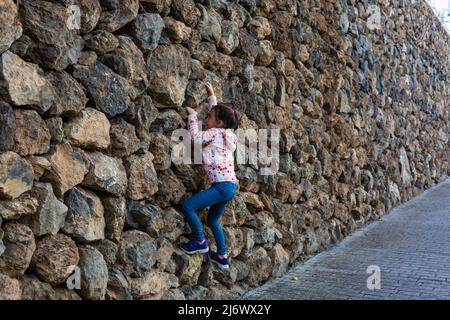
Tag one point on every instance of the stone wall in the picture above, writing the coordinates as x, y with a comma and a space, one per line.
87, 111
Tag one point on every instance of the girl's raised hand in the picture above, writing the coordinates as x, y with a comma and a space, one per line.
209, 88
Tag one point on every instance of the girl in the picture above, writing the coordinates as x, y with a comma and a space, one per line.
218, 143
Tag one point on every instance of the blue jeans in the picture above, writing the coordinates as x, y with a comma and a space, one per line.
216, 198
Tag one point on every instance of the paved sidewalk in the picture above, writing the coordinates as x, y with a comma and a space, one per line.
411, 246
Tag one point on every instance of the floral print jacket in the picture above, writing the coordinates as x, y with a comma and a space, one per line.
218, 146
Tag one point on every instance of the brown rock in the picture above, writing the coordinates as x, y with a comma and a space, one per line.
54, 256
9, 288
90, 130
10, 26
123, 138
68, 167
152, 283
32, 134
176, 30
114, 217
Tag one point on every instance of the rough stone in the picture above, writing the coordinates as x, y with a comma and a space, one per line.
142, 177
103, 80
137, 253
54, 257
19, 245
105, 174
16, 175
24, 84
94, 274
85, 217
68, 167
51, 213
32, 135
168, 69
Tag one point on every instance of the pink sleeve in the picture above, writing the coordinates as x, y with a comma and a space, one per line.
212, 101
199, 137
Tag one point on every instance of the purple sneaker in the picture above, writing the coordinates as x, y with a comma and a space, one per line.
223, 263
193, 246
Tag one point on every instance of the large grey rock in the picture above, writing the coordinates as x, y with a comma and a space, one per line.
85, 218
19, 245
137, 253
146, 30
105, 174
159, 146
124, 141
54, 258
10, 27
55, 127
56, 43
94, 274
51, 213
166, 122
103, 80
260, 266
24, 84
170, 189
168, 69
16, 175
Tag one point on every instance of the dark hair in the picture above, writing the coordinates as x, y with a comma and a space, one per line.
227, 114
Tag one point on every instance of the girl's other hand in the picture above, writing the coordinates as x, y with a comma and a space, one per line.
189, 110
209, 88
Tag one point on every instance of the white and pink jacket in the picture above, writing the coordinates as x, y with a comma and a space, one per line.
218, 146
